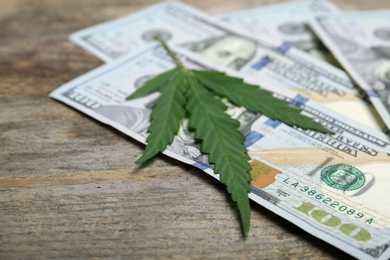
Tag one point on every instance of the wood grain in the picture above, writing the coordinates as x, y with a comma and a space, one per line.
68, 185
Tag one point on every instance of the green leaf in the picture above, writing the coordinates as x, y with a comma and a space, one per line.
154, 83
165, 118
222, 141
195, 93
256, 100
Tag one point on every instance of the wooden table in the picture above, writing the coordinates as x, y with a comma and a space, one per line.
68, 184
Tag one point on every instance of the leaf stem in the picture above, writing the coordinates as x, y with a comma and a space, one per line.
170, 52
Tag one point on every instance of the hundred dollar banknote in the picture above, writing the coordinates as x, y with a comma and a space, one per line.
287, 22
333, 186
361, 43
263, 58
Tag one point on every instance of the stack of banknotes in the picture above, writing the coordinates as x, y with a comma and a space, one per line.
333, 65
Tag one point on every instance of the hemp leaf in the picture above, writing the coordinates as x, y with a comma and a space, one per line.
198, 94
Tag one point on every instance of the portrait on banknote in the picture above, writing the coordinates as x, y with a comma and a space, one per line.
185, 144
228, 50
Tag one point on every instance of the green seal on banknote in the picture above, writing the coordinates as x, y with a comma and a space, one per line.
343, 177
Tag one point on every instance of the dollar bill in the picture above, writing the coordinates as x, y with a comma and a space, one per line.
263, 58
287, 22
361, 43
334, 187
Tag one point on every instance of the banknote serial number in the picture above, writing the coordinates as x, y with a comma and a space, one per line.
329, 201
